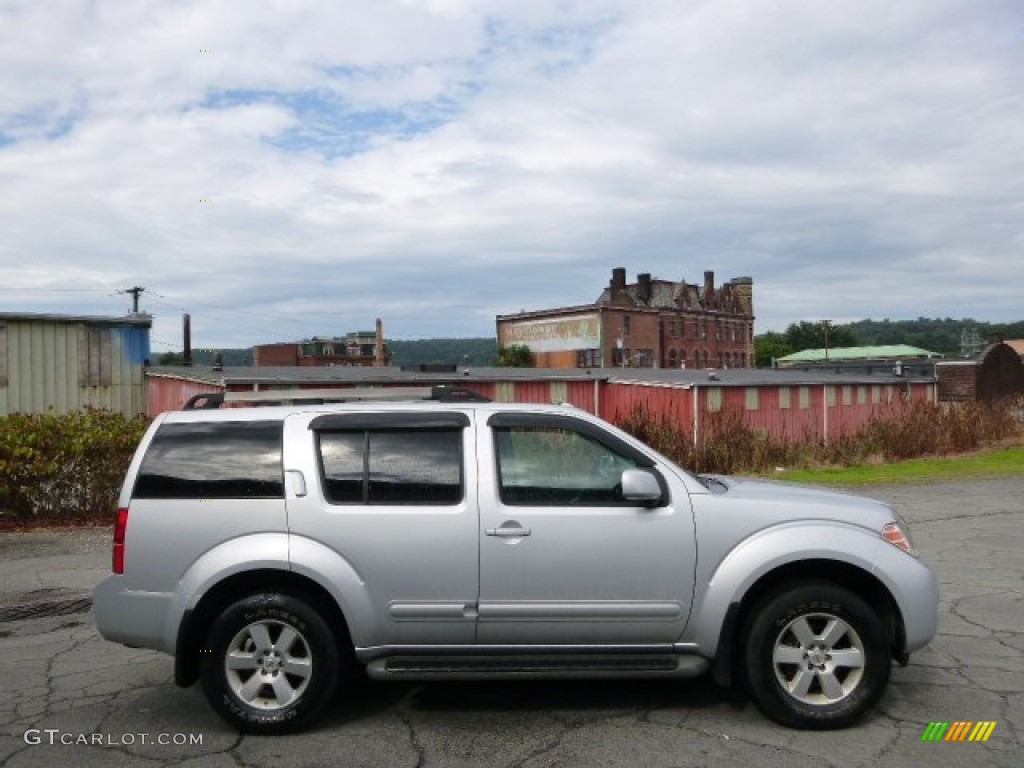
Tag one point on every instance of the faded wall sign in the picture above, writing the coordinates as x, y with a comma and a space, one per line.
578, 332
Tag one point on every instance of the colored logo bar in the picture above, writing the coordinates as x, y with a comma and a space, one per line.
959, 730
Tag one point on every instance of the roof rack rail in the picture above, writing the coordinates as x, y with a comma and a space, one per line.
444, 393
455, 393
204, 401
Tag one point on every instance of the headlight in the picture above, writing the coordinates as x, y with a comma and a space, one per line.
898, 534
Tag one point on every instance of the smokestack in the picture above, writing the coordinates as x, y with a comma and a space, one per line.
644, 286
378, 349
709, 290
186, 355
618, 280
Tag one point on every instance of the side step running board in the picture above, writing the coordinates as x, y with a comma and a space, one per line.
534, 667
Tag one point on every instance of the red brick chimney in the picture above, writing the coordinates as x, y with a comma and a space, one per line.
709, 290
644, 287
618, 280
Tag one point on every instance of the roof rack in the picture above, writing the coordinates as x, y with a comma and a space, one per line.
444, 393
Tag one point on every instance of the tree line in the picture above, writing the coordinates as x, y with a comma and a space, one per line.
469, 351
943, 335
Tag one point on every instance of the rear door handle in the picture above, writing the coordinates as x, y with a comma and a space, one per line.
508, 531
298, 482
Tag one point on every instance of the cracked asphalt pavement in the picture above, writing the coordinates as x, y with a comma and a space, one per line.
69, 697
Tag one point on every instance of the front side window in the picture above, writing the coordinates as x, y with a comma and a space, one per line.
387, 466
213, 460
541, 466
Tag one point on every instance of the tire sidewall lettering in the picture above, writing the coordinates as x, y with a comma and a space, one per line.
322, 647
764, 629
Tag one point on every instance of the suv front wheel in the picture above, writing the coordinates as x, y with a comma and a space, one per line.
816, 657
270, 664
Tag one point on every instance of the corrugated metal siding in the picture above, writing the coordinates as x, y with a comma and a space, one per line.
64, 366
504, 392
485, 388
787, 412
619, 400
804, 418
581, 394
533, 392
779, 414
167, 394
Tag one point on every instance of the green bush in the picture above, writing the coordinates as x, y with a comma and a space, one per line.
64, 468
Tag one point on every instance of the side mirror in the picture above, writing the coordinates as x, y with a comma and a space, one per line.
641, 486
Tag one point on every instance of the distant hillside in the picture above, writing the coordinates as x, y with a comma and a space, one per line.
204, 357
404, 352
451, 351
938, 335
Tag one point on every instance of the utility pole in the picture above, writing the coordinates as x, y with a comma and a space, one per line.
135, 291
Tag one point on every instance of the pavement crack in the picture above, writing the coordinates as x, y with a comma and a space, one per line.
889, 745
414, 741
49, 695
552, 744
232, 751
968, 516
954, 609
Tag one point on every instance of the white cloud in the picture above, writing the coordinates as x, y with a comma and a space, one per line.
438, 161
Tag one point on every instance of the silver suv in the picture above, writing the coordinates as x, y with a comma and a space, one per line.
277, 551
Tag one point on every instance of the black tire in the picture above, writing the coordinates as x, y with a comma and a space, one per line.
284, 664
816, 656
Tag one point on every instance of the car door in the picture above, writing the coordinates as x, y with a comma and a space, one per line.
386, 498
564, 559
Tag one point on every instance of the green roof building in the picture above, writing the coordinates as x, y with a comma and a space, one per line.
884, 353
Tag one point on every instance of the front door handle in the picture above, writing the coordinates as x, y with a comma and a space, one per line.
509, 530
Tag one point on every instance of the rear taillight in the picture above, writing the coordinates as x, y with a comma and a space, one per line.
119, 528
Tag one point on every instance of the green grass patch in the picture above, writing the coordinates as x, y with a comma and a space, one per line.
999, 462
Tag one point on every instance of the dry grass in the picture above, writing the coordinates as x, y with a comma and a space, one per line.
728, 445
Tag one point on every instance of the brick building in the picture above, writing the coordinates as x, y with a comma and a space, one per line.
647, 324
996, 373
360, 348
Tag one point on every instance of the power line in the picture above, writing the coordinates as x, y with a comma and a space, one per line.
30, 291
301, 322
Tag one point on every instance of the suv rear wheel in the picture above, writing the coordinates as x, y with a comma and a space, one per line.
270, 664
816, 657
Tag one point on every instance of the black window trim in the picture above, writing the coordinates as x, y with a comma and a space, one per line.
557, 421
365, 431
353, 422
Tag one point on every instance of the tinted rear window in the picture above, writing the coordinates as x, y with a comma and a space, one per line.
421, 466
216, 460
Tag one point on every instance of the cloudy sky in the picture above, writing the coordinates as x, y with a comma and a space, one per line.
287, 169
